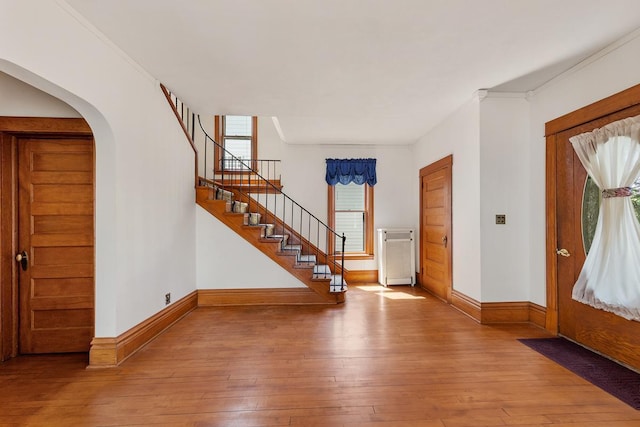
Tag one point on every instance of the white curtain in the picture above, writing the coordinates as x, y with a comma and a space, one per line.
610, 277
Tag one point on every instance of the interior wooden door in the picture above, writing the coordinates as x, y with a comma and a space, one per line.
435, 228
600, 330
56, 243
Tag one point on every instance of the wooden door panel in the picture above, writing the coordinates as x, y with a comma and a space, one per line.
60, 161
437, 180
60, 271
434, 216
56, 229
62, 193
433, 234
435, 253
51, 287
602, 331
53, 304
435, 271
65, 340
61, 209
435, 198
63, 255
62, 240
60, 177
73, 224
72, 318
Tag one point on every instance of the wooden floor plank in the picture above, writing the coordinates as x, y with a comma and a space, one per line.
388, 357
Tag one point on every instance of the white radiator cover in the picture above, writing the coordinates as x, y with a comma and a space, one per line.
396, 256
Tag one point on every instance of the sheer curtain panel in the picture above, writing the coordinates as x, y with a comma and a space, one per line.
610, 277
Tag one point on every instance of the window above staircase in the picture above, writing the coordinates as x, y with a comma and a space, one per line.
239, 137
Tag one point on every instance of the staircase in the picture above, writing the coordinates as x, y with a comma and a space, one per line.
257, 209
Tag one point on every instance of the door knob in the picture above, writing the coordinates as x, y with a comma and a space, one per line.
445, 240
563, 252
23, 259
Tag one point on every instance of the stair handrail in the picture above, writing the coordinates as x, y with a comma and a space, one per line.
184, 126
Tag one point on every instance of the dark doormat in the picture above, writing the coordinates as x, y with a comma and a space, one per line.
610, 376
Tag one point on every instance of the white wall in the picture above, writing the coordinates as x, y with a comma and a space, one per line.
226, 261
504, 181
19, 99
270, 146
145, 215
609, 72
303, 177
459, 135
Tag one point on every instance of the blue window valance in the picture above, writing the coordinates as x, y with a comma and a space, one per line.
346, 171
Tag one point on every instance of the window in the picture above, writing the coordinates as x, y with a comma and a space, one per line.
239, 136
351, 213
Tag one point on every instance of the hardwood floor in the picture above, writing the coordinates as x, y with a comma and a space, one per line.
387, 357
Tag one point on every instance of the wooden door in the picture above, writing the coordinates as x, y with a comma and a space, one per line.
435, 228
605, 332
56, 233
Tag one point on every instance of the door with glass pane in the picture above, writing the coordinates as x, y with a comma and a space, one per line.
577, 204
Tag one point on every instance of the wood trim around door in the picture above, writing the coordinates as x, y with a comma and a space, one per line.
610, 105
10, 129
45, 125
551, 321
8, 248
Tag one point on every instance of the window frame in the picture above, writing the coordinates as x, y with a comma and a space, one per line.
220, 139
368, 225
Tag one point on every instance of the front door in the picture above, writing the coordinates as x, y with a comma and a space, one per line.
435, 228
603, 331
48, 215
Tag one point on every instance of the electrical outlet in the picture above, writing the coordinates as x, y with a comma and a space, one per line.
167, 299
501, 219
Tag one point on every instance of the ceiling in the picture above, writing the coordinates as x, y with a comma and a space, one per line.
355, 71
